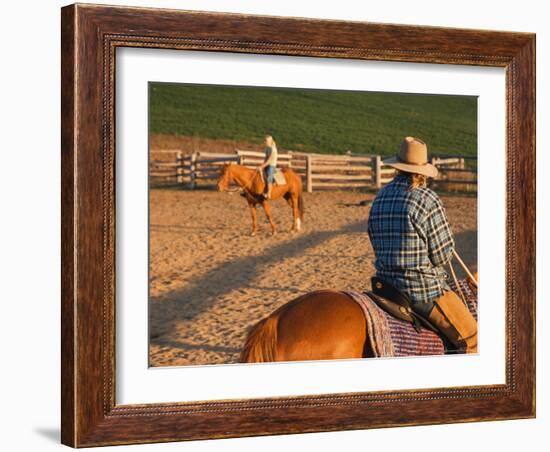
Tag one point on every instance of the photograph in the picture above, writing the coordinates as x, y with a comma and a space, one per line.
292, 224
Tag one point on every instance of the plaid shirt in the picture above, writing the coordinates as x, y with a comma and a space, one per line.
412, 239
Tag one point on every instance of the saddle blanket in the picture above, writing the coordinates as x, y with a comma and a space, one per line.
279, 177
393, 337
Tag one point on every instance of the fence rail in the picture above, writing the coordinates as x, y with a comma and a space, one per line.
318, 171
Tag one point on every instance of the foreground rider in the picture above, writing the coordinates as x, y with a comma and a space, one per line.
270, 163
412, 241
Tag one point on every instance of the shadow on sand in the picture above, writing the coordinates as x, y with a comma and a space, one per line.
190, 301
199, 296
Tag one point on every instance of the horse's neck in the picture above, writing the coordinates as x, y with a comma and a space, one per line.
244, 177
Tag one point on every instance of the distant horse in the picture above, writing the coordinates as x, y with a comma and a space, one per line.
318, 325
252, 185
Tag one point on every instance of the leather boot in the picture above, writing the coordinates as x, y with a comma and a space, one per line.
455, 321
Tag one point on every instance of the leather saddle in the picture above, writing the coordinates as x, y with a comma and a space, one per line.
397, 304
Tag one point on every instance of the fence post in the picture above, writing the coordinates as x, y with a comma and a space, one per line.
179, 168
309, 184
192, 170
377, 170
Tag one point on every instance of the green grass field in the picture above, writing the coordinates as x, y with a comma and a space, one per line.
316, 120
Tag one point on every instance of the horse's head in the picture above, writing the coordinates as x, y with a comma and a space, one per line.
225, 178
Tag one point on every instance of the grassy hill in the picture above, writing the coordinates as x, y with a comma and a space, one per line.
315, 120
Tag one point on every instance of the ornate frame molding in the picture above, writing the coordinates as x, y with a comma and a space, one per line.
90, 37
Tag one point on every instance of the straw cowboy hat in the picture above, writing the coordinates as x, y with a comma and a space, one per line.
413, 158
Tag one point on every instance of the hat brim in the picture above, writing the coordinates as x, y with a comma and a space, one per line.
427, 169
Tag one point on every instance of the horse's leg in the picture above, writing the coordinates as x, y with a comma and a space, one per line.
288, 197
296, 225
322, 325
267, 210
252, 207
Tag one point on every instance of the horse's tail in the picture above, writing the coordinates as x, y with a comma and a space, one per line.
301, 207
261, 342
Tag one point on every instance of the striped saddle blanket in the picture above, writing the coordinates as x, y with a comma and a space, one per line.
394, 337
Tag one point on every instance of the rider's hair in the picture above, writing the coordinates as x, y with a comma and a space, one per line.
415, 180
273, 144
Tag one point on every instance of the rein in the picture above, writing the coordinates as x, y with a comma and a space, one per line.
463, 265
233, 190
246, 186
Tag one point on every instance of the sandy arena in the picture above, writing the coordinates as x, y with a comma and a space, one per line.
210, 281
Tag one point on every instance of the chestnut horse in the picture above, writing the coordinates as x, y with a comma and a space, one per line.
253, 186
316, 326
319, 325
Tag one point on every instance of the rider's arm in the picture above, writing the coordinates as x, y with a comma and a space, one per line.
267, 159
439, 235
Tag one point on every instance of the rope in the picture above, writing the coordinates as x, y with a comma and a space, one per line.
461, 262
461, 294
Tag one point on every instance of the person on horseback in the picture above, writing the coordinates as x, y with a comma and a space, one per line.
270, 163
412, 241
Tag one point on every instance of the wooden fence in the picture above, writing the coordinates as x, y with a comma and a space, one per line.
318, 171
196, 170
455, 174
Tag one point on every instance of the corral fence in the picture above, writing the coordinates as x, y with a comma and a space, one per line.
318, 171
456, 173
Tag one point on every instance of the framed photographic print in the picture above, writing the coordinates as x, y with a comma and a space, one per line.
281, 225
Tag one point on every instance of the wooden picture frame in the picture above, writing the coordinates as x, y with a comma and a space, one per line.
90, 36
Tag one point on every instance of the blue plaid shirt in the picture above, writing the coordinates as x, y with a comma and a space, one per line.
412, 239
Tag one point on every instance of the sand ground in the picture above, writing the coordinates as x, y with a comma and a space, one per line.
210, 281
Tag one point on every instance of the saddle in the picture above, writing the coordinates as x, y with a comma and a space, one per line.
279, 177
397, 304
